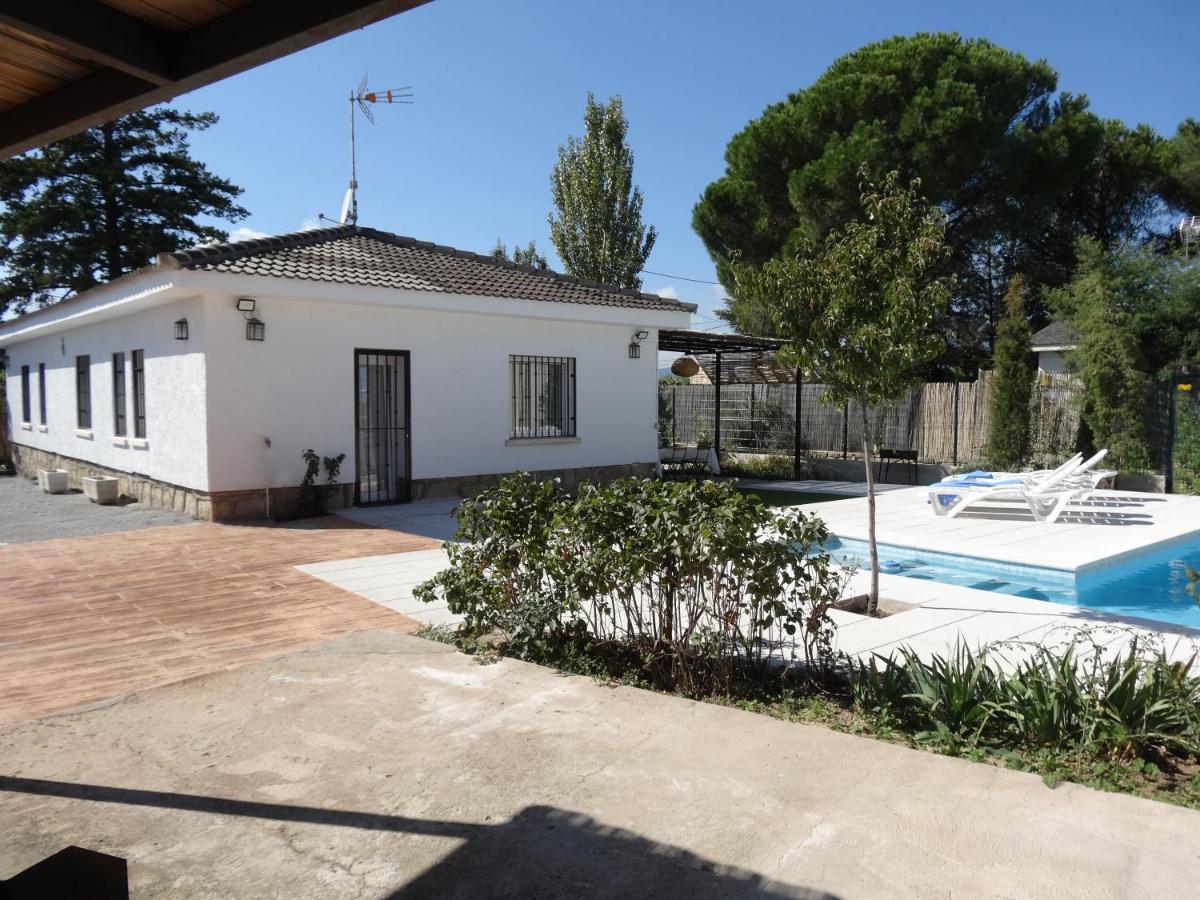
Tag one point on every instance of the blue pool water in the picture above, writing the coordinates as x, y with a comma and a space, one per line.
1149, 586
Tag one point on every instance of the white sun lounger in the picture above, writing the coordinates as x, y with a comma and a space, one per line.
1046, 495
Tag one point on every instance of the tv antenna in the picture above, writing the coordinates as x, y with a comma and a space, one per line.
362, 100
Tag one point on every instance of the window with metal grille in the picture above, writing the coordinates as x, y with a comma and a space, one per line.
118, 366
542, 396
42, 393
26, 413
83, 392
139, 393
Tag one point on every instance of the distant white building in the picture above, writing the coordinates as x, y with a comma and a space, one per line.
200, 380
1050, 343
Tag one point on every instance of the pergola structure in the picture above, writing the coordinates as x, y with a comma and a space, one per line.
707, 343
65, 67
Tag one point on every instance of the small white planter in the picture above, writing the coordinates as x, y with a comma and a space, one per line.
100, 488
53, 481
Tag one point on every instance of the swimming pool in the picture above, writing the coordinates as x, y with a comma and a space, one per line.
1152, 585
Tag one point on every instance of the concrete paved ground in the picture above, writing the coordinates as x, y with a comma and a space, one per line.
86, 618
1108, 525
382, 765
389, 580
427, 518
27, 513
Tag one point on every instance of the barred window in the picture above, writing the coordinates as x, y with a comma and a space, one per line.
139, 393
542, 396
83, 392
118, 373
42, 392
26, 413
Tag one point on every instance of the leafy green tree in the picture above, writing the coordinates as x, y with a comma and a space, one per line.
1012, 383
1181, 167
98, 204
522, 256
859, 307
1099, 303
1157, 297
596, 226
1018, 172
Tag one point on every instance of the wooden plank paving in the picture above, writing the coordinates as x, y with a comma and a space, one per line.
84, 619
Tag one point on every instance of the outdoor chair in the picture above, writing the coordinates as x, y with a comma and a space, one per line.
1045, 495
688, 461
907, 458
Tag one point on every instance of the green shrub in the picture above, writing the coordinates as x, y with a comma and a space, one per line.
699, 581
772, 467
1118, 709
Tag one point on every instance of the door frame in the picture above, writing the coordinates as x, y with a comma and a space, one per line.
405, 493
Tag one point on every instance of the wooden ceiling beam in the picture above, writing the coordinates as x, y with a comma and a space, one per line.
96, 32
248, 36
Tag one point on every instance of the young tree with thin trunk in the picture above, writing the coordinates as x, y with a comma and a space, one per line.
1012, 382
101, 203
596, 226
859, 310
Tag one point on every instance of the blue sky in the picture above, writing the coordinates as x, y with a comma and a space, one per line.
500, 85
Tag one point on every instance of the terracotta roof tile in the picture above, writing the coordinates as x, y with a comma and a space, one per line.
350, 254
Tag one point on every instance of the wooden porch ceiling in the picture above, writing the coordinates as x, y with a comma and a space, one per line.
66, 67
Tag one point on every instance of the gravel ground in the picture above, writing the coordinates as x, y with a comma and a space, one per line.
29, 514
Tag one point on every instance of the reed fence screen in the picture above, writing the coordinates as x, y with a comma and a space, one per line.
944, 422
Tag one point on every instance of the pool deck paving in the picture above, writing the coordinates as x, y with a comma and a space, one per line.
383, 765
935, 616
1108, 526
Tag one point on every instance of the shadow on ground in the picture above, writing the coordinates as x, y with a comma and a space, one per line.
540, 852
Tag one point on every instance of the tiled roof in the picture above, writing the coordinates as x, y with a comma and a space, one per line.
350, 254
1056, 334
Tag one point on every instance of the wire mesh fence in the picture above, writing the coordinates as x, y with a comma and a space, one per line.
944, 422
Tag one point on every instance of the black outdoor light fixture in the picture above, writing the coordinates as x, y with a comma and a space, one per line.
181, 330
635, 346
256, 329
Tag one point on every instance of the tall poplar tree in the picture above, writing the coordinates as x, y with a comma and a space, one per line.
101, 203
596, 225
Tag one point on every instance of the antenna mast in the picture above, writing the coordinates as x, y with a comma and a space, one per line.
362, 100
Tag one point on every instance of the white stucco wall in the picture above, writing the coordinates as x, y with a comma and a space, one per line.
174, 448
297, 387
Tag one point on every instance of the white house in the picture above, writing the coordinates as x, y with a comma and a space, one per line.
1050, 343
199, 381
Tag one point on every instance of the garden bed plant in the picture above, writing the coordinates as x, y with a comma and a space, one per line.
697, 589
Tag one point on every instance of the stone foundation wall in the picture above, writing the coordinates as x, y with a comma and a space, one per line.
470, 485
157, 494
242, 506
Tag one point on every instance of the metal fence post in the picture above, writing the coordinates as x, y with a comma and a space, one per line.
796, 428
717, 416
954, 451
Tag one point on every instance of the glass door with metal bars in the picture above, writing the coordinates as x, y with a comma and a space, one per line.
383, 469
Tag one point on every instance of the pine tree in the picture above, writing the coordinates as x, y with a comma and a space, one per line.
598, 230
101, 203
1012, 383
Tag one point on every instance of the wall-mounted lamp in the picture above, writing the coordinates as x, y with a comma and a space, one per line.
255, 329
635, 346
181, 330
